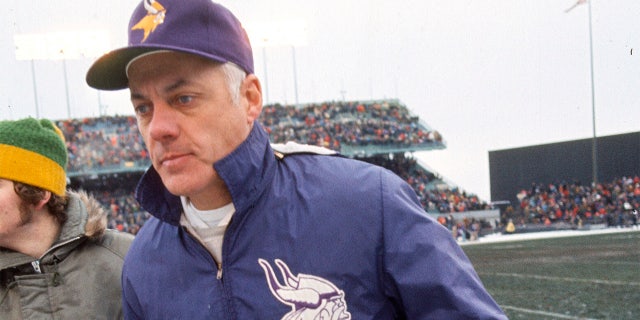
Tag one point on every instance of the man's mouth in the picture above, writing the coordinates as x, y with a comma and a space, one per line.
172, 159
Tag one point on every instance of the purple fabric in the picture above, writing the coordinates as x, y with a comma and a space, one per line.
199, 27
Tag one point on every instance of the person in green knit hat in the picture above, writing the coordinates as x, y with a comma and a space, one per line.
57, 258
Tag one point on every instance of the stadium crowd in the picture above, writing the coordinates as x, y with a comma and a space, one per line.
333, 124
614, 203
435, 196
110, 144
124, 212
103, 143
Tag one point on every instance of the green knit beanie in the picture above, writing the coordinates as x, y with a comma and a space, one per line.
33, 152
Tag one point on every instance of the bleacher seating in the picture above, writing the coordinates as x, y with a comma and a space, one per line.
103, 145
610, 203
381, 132
352, 128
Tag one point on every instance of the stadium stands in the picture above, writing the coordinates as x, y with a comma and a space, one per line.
352, 128
107, 156
613, 204
110, 148
103, 145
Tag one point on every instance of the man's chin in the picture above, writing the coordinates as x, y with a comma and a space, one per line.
186, 182
174, 185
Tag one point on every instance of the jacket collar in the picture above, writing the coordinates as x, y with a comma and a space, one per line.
246, 171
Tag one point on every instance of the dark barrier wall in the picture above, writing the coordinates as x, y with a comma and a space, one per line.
512, 170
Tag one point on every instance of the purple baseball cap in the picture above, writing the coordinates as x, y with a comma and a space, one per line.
200, 27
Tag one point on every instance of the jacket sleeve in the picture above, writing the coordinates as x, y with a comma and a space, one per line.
425, 271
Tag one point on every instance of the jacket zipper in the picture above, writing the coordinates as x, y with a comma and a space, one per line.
218, 264
219, 274
36, 266
36, 263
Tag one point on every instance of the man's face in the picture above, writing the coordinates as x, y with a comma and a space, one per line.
13, 213
188, 121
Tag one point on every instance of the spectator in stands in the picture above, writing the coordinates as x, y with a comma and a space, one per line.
215, 176
56, 258
511, 228
475, 229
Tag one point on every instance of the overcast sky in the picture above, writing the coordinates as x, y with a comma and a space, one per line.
487, 74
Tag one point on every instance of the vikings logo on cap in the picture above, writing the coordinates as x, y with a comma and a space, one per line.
154, 17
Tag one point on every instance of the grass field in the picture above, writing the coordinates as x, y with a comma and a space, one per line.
591, 276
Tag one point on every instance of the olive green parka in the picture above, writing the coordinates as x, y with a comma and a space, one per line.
77, 278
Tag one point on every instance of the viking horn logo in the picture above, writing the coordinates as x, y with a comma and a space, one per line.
310, 297
154, 17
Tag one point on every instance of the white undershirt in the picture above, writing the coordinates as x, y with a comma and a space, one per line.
207, 226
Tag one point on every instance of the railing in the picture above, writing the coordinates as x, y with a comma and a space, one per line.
128, 166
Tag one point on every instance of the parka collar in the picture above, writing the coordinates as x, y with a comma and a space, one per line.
85, 219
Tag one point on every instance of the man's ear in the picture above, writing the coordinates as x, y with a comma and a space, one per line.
252, 92
46, 196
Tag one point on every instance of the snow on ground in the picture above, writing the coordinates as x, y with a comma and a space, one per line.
498, 237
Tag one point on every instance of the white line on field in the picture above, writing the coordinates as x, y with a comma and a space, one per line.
544, 313
624, 263
533, 276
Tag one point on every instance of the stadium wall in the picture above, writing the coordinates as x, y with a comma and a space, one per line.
515, 169
489, 215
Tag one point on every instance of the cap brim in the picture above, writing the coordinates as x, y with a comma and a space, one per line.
108, 72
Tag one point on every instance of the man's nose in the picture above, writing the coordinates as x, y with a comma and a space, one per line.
164, 123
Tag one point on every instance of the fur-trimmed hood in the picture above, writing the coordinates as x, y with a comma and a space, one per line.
85, 217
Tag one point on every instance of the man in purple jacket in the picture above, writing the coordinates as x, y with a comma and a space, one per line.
246, 230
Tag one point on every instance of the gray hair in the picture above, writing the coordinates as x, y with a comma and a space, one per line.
234, 76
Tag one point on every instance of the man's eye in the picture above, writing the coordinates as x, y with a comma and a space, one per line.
142, 109
185, 99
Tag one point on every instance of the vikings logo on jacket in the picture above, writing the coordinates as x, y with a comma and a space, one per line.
310, 297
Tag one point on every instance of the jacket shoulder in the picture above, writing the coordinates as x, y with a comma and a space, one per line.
291, 148
116, 241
